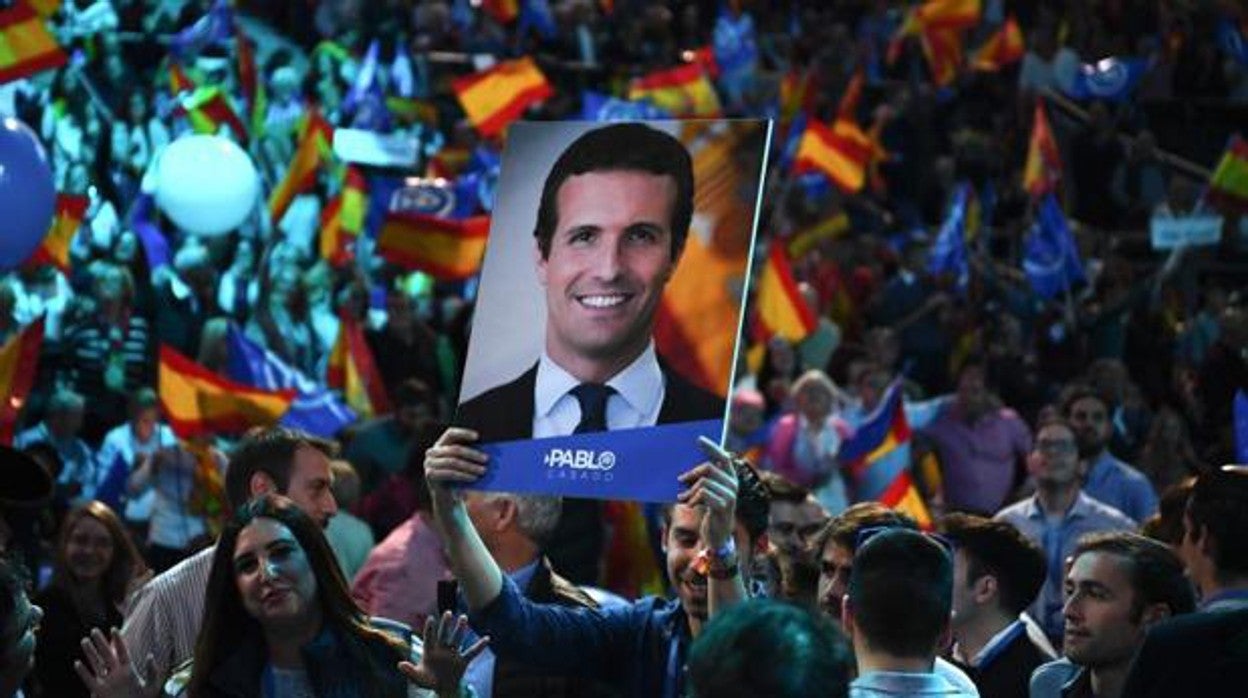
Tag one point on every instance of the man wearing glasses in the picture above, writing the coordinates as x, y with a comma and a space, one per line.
1058, 515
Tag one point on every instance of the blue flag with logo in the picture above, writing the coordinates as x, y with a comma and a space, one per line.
630, 464
1241, 427
316, 409
1050, 257
596, 106
1231, 40
1110, 79
948, 254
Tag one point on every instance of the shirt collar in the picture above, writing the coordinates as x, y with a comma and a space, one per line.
640, 384
998, 643
1079, 509
525, 574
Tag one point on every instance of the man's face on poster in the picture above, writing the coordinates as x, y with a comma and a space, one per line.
610, 257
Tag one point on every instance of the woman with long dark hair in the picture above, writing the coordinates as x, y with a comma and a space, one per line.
96, 563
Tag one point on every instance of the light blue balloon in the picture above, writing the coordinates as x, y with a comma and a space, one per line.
27, 195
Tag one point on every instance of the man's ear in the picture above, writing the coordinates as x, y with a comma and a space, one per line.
539, 261
261, 483
508, 512
1204, 542
985, 589
1153, 614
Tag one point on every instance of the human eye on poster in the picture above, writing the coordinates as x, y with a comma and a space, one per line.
609, 307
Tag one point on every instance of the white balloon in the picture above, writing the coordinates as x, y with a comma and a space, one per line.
206, 184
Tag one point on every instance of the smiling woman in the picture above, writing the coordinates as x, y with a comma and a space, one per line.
95, 564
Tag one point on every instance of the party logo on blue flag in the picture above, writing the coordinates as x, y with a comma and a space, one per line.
316, 409
1050, 256
596, 106
1111, 79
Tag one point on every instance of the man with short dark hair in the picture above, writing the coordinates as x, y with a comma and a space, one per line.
794, 515
997, 573
1119, 586
1057, 515
640, 648
611, 227
381, 446
164, 616
769, 648
1205, 653
1105, 478
897, 615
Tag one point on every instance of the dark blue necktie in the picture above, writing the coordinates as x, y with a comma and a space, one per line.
592, 398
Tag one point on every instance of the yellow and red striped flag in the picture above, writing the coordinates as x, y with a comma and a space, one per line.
207, 108
948, 14
501, 11
179, 81
198, 402
54, 250
945, 54
352, 370
443, 248
251, 83
681, 91
779, 306
795, 94
26, 45
1228, 186
842, 152
1043, 168
19, 361
494, 98
631, 567
45, 8
343, 217
1001, 49
316, 139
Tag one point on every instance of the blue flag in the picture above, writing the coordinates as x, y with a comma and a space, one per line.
215, 28
365, 102
316, 409
1231, 40
112, 489
1241, 427
155, 246
948, 254
1111, 79
734, 45
596, 106
536, 14
1050, 256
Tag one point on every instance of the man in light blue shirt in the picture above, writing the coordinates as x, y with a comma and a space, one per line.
1058, 515
897, 614
1105, 477
60, 429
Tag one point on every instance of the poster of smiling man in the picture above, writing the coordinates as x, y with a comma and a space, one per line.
610, 302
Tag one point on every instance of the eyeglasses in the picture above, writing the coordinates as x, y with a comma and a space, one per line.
1054, 447
869, 532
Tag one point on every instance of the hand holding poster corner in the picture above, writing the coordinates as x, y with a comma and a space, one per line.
610, 303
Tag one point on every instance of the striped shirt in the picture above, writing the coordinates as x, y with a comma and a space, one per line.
163, 617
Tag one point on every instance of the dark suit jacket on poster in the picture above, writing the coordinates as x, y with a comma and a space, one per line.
505, 413
1198, 654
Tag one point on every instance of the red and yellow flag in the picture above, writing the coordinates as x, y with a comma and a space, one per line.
443, 248
681, 91
54, 250
795, 94
45, 8
26, 45
352, 370
1228, 187
316, 139
779, 306
19, 361
343, 217
199, 402
632, 569
250, 82
494, 98
1001, 49
948, 14
945, 54
207, 108
1043, 169
842, 152
848, 106
179, 81
501, 11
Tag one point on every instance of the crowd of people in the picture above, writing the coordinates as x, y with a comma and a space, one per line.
1071, 513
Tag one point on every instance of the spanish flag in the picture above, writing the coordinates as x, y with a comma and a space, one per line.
207, 108
1043, 168
443, 248
681, 91
948, 14
19, 361
945, 55
179, 81
501, 11
494, 98
316, 139
779, 306
26, 45
877, 458
1001, 49
630, 563
343, 217
198, 401
796, 94
54, 250
352, 370
842, 152
1228, 187
250, 82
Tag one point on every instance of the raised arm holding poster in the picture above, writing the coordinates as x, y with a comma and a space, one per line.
588, 373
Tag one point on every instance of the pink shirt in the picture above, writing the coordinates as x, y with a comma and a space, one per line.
399, 580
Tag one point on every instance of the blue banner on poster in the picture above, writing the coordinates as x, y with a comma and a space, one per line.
630, 464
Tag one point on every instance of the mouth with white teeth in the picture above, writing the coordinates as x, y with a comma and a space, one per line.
603, 301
